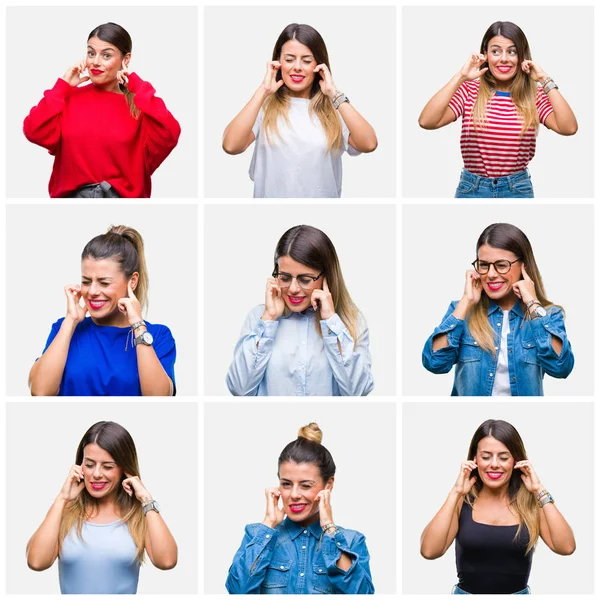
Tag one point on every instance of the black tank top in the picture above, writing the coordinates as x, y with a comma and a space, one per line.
488, 558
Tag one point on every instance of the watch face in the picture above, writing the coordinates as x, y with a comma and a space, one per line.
541, 311
147, 338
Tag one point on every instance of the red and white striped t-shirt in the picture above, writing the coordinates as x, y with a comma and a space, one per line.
497, 149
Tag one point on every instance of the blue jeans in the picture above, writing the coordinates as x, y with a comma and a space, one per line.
511, 186
457, 590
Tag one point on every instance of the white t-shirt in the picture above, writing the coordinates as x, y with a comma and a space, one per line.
502, 380
296, 163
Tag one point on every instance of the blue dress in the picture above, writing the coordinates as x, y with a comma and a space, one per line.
103, 562
98, 364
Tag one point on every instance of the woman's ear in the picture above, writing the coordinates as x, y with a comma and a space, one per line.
134, 280
329, 484
127, 58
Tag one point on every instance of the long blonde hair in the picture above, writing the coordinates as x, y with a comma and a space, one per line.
117, 441
520, 498
311, 247
278, 104
505, 237
523, 89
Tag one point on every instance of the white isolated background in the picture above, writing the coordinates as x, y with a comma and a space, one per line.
42, 440
241, 461
238, 43
558, 438
436, 42
165, 47
239, 245
437, 253
44, 245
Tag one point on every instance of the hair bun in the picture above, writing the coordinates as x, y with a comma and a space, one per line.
311, 432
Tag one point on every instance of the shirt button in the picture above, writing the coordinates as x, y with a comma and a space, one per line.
498, 324
301, 574
546, 326
282, 567
338, 544
305, 531
491, 374
513, 378
268, 536
320, 570
496, 347
329, 331
303, 547
476, 345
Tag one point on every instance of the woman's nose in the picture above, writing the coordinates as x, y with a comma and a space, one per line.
294, 287
296, 492
97, 473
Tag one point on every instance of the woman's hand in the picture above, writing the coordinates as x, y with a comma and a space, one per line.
322, 298
73, 75
133, 485
326, 81
75, 312
465, 482
131, 306
73, 484
273, 514
524, 289
274, 303
123, 75
472, 68
472, 292
270, 84
534, 70
529, 476
325, 512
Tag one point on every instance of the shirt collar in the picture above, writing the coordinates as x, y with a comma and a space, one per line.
517, 309
295, 529
309, 312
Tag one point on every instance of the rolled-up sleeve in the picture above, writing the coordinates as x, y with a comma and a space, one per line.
357, 579
543, 328
250, 562
442, 360
251, 355
350, 363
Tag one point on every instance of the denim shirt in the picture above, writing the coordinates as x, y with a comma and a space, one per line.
293, 559
530, 352
288, 357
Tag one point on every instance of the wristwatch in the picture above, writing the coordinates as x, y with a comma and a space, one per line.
540, 311
339, 99
146, 339
150, 505
545, 500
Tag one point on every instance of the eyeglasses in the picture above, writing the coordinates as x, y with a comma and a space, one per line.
306, 282
500, 266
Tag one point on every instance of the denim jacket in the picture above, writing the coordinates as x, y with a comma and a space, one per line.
293, 559
530, 352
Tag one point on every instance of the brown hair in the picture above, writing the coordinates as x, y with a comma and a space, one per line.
307, 448
320, 105
117, 441
505, 237
520, 498
311, 247
117, 36
126, 246
523, 89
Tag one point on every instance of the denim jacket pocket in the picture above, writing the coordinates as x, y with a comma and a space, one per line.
278, 574
469, 350
530, 355
321, 583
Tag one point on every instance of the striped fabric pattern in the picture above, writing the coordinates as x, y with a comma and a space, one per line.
499, 149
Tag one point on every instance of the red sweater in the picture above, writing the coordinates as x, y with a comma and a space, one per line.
94, 138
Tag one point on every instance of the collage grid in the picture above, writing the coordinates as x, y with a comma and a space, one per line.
186, 440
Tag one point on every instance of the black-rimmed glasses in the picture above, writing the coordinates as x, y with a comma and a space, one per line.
306, 282
500, 266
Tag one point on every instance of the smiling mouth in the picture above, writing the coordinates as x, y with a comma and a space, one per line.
296, 78
495, 285
297, 508
494, 474
296, 299
99, 485
97, 304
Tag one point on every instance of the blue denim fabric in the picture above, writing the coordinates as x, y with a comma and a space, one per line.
457, 590
511, 186
288, 357
530, 352
293, 559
